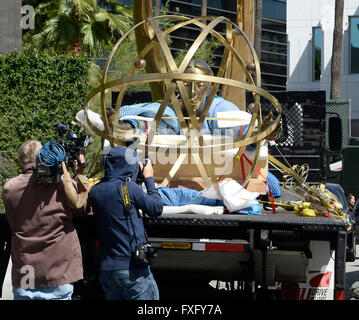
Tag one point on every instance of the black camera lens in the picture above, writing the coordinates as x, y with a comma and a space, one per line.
143, 254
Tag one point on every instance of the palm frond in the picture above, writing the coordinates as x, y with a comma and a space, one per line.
47, 10
79, 24
59, 32
94, 75
118, 8
100, 16
88, 42
115, 22
84, 7
101, 33
48, 7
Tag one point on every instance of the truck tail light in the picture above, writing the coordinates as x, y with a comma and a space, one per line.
206, 246
339, 294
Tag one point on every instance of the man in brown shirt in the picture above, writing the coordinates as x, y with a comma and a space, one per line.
45, 249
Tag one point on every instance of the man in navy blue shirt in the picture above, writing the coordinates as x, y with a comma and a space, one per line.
120, 276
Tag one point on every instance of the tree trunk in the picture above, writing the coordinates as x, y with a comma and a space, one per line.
258, 28
157, 7
245, 20
155, 60
204, 10
337, 50
76, 45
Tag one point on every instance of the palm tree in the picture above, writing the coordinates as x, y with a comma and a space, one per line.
204, 8
337, 50
258, 27
157, 7
79, 26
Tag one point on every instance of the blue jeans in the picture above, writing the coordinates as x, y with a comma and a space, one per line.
63, 292
133, 284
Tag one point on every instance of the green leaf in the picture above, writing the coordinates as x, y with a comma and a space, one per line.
35, 91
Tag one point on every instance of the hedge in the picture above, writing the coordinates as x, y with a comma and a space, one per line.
35, 91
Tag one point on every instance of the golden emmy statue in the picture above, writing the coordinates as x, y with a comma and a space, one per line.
190, 89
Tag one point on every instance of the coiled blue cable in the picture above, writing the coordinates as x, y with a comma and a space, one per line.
52, 154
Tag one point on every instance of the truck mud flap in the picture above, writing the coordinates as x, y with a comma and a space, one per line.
320, 276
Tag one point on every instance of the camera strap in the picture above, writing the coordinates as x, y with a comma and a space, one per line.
127, 204
33, 169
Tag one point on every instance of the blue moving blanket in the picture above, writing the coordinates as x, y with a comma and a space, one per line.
165, 126
150, 110
184, 196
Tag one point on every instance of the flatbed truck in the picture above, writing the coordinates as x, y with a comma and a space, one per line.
268, 256
273, 255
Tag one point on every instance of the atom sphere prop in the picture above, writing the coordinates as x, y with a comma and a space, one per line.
176, 95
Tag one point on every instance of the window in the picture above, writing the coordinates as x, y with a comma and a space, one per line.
317, 53
354, 45
274, 9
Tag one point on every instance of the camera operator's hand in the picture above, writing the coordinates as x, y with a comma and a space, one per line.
148, 171
78, 167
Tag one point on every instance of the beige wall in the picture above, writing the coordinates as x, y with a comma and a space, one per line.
10, 28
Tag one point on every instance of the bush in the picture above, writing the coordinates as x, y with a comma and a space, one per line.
35, 91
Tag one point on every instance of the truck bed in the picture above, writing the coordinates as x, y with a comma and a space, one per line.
282, 219
282, 227
169, 223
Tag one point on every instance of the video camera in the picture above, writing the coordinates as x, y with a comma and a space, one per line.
76, 145
69, 145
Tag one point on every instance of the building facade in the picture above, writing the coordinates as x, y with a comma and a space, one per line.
310, 41
10, 26
273, 55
